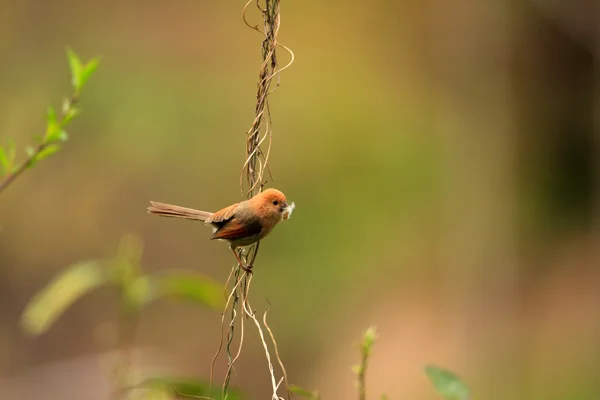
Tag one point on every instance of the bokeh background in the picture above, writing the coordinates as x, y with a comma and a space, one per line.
443, 157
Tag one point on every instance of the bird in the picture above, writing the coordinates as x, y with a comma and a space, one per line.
240, 224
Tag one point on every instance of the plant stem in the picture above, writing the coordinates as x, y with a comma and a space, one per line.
362, 393
361, 369
11, 177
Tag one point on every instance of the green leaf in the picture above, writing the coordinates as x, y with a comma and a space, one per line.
369, 340
190, 286
3, 161
70, 113
447, 384
297, 390
88, 70
47, 151
180, 388
52, 127
52, 132
50, 115
55, 134
66, 288
76, 67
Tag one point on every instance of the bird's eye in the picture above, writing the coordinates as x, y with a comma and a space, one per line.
275, 202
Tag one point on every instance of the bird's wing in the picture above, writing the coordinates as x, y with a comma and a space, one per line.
235, 229
222, 215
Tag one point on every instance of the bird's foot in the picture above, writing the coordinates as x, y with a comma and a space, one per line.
247, 268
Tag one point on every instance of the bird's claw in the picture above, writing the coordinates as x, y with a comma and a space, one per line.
247, 268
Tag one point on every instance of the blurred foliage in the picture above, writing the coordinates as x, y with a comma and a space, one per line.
124, 273
52, 301
448, 384
179, 388
298, 391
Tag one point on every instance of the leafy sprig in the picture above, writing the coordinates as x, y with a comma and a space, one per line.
55, 134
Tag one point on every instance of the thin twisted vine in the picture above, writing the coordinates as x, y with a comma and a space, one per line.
252, 182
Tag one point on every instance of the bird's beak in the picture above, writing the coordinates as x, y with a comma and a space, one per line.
288, 209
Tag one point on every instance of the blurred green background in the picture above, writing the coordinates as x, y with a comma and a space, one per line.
443, 157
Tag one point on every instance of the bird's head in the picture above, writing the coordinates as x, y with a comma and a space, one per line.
272, 204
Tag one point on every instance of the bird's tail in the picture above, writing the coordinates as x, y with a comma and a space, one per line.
169, 210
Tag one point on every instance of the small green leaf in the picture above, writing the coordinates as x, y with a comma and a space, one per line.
52, 132
66, 288
71, 113
52, 127
76, 67
47, 151
180, 388
297, 390
50, 115
189, 286
369, 340
88, 70
57, 135
3, 161
447, 384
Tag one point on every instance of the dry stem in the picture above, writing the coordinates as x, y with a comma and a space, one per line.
253, 170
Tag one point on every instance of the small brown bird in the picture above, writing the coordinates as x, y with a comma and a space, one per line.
240, 224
